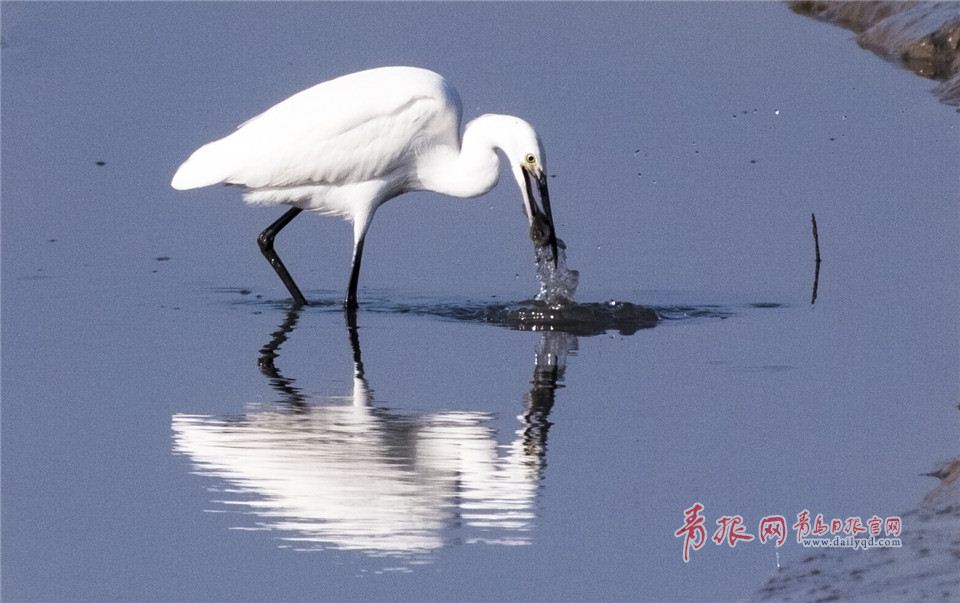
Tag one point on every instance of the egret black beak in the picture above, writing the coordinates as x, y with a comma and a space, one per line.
541, 220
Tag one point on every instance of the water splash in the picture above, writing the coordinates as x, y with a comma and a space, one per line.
558, 284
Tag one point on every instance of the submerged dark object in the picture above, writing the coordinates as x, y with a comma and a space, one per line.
540, 231
576, 319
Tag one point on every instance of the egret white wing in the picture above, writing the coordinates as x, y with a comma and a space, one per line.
353, 129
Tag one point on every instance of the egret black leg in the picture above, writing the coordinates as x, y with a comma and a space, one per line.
265, 240
351, 302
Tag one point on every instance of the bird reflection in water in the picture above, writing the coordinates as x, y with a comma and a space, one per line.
343, 473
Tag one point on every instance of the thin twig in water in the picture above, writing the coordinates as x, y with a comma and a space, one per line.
816, 244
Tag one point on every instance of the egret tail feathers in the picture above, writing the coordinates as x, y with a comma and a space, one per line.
205, 167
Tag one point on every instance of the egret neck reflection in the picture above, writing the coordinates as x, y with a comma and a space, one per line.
342, 472
348, 145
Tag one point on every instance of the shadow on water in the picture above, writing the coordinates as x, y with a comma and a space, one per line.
341, 472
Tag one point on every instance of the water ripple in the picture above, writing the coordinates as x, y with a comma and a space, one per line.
582, 319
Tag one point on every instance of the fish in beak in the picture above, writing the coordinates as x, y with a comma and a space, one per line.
542, 231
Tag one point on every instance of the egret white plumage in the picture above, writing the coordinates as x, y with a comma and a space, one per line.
348, 145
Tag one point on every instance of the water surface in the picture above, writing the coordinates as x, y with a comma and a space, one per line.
170, 431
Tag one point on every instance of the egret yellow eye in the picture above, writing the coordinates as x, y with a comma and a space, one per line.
530, 159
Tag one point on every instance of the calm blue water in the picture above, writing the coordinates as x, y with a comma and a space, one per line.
170, 431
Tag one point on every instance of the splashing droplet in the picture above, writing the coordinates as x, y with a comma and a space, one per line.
558, 284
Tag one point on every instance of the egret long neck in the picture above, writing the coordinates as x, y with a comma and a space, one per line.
468, 172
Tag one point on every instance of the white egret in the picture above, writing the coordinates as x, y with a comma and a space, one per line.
346, 146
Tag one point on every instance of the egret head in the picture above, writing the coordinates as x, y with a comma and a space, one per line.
527, 159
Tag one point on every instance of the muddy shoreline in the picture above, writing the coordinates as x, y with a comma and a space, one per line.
924, 568
923, 37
